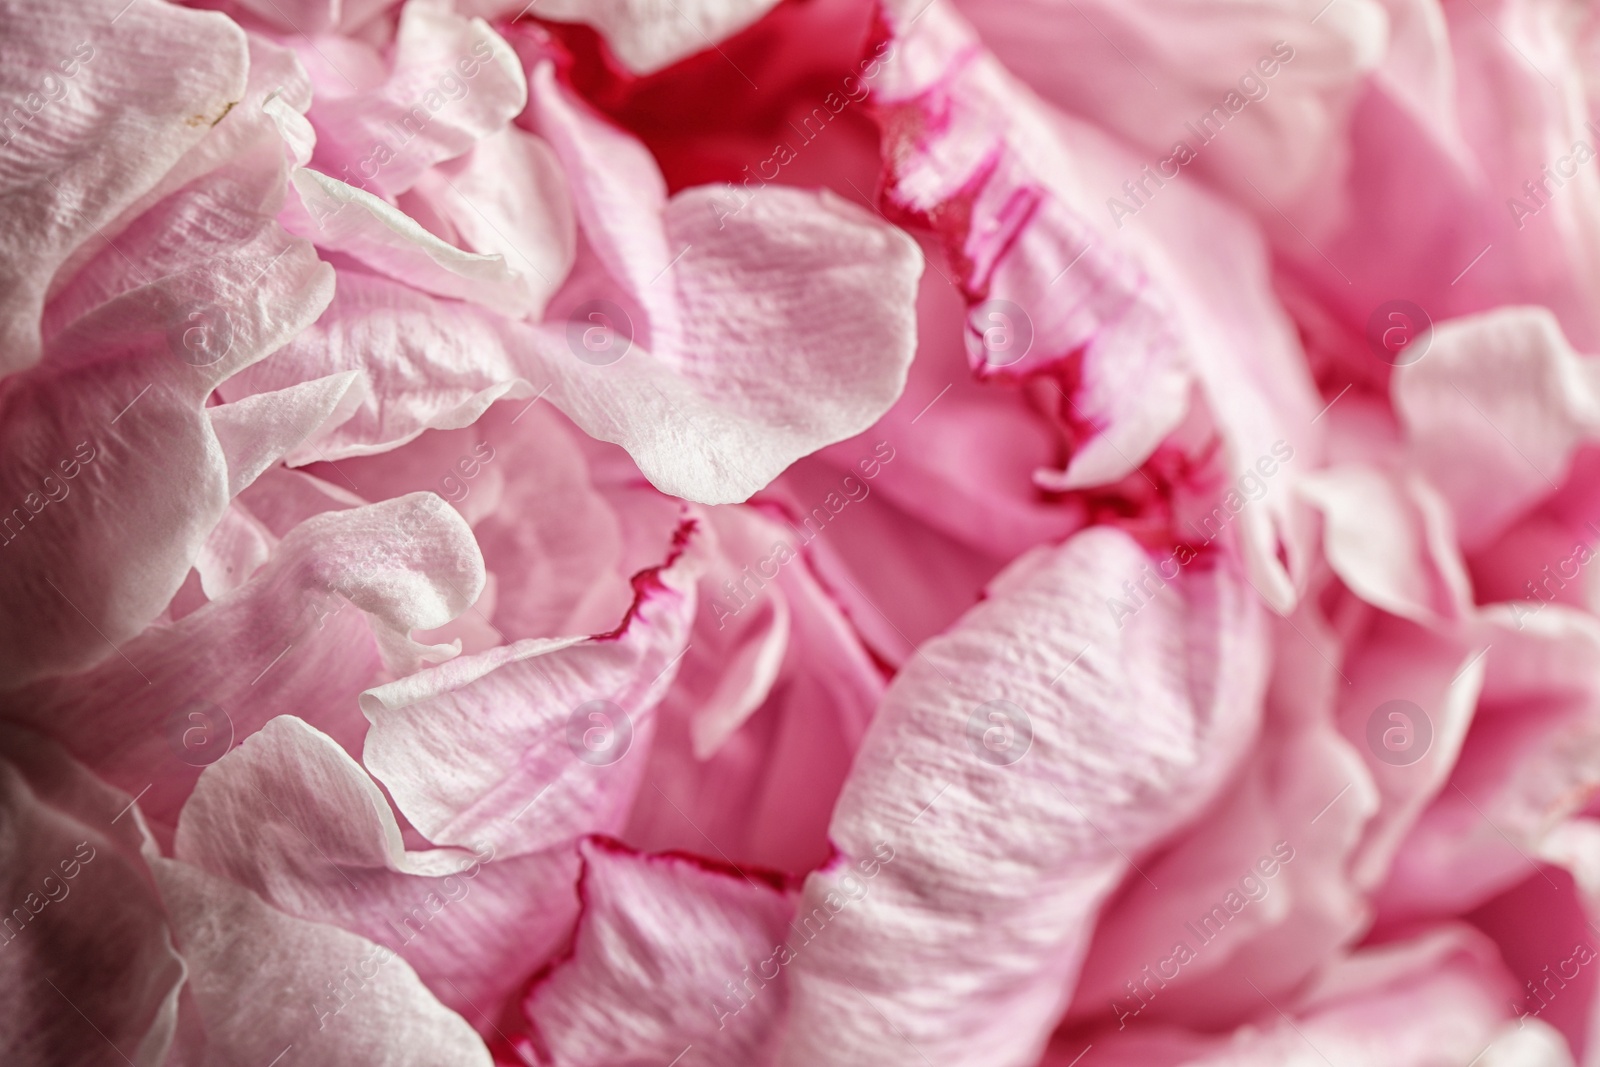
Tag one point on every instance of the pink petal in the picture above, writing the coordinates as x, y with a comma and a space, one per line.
1441, 997
452, 82
509, 197
731, 355
1391, 539
346, 219
1153, 95
281, 641
466, 755
120, 397
1011, 862
1494, 412
86, 937
259, 430
661, 942
260, 982
294, 819
426, 363
1531, 761
1259, 891
110, 99
757, 733
1127, 316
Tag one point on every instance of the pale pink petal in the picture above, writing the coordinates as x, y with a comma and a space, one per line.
298, 16
1258, 893
257, 431
753, 379
756, 736
117, 402
728, 373
427, 363
285, 641
346, 219
1010, 861
260, 981
647, 35
1443, 997
1398, 670
102, 100
236, 548
1494, 412
291, 817
1531, 761
1391, 538
1283, 129
509, 197
1445, 201
553, 538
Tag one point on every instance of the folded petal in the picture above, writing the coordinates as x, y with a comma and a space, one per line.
1443, 996
526, 746
757, 733
119, 400
509, 197
284, 641
1391, 539
984, 776
1494, 412
1121, 315
259, 430
426, 363
344, 218
292, 817
104, 100
453, 81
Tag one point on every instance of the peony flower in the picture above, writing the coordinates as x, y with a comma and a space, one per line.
832, 532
